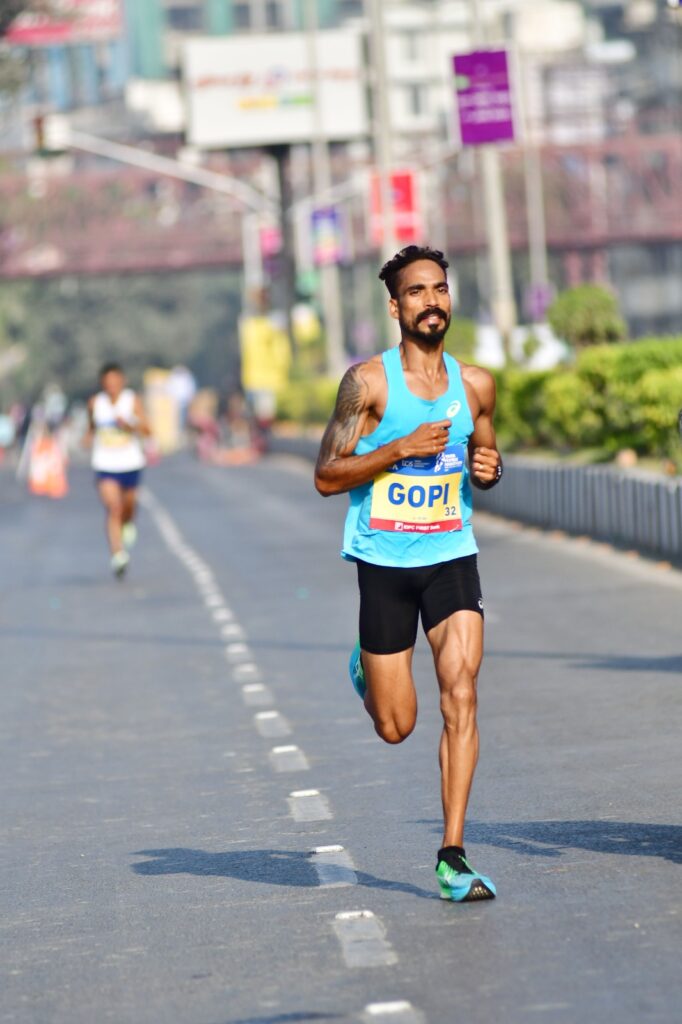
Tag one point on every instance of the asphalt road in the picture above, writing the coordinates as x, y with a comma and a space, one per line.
156, 868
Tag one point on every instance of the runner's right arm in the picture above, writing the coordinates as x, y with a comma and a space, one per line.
338, 469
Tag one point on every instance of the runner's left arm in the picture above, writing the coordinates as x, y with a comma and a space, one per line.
485, 461
140, 424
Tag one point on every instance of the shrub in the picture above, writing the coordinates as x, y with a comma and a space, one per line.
586, 315
519, 406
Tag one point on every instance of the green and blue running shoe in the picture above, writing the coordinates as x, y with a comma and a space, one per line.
119, 563
357, 672
457, 879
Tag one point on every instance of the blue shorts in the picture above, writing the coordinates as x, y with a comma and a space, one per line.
128, 481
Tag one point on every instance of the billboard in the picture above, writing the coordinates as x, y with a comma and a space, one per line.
69, 21
484, 97
259, 90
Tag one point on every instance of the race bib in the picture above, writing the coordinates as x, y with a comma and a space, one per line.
112, 437
420, 495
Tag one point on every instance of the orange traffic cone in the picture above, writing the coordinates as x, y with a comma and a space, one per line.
47, 468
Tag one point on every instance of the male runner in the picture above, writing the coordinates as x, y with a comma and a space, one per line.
117, 424
403, 425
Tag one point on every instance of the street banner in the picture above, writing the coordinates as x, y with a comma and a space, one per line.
68, 21
407, 221
327, 236
484, 97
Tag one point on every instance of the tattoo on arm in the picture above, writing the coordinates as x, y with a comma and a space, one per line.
350, 405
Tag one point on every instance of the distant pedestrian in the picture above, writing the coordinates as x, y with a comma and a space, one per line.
412, 428
117, 426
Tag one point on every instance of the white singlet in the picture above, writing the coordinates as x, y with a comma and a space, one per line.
115, 450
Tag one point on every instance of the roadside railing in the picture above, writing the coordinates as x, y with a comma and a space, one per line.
634, 510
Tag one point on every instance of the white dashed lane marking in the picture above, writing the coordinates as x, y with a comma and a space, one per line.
237, 652
246, 672
334, 866
308, 805
271, 724
397, 1012
288, 759
363, 939
222, 614
257, 695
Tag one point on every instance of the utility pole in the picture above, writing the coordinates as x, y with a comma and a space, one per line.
329, 273
383, 155
535, 204
502, 302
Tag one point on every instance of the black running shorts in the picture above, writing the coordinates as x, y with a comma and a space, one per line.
392, 599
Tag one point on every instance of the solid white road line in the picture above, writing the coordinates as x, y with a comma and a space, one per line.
334, 866
308, 805
363, 939
288, 759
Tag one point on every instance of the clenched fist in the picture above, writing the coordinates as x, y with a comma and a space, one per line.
484, 463
428, 439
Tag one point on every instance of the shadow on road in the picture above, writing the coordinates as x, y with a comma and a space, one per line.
554, 838
268, 867
287, 1018
615, 662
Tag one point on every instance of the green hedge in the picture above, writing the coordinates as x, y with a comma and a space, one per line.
615, 396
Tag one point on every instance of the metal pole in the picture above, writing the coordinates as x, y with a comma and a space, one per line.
329, 274
502, 302
382, 138
532, 167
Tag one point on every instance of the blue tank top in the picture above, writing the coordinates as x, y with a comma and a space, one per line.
418, 512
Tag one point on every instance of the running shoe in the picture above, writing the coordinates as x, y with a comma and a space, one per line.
357, 672
458, 881
119, 563
129, 535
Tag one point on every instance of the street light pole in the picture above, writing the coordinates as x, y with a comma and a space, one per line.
329, 273
383, 154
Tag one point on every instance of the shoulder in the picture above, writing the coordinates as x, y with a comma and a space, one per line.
364, 379
480, 380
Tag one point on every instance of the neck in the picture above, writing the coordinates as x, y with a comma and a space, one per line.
420, 356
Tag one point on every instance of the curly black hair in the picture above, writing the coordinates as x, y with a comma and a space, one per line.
390, 270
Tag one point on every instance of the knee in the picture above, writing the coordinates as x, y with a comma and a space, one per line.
394, 729
458, 702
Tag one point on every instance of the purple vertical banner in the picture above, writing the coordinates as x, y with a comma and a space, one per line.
327, 236
484, 97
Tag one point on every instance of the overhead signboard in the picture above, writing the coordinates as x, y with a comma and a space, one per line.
69, 21
259, 90
484, 97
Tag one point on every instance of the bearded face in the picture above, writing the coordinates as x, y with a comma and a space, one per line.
422, 305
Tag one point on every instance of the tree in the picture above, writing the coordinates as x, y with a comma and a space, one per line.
587, 315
